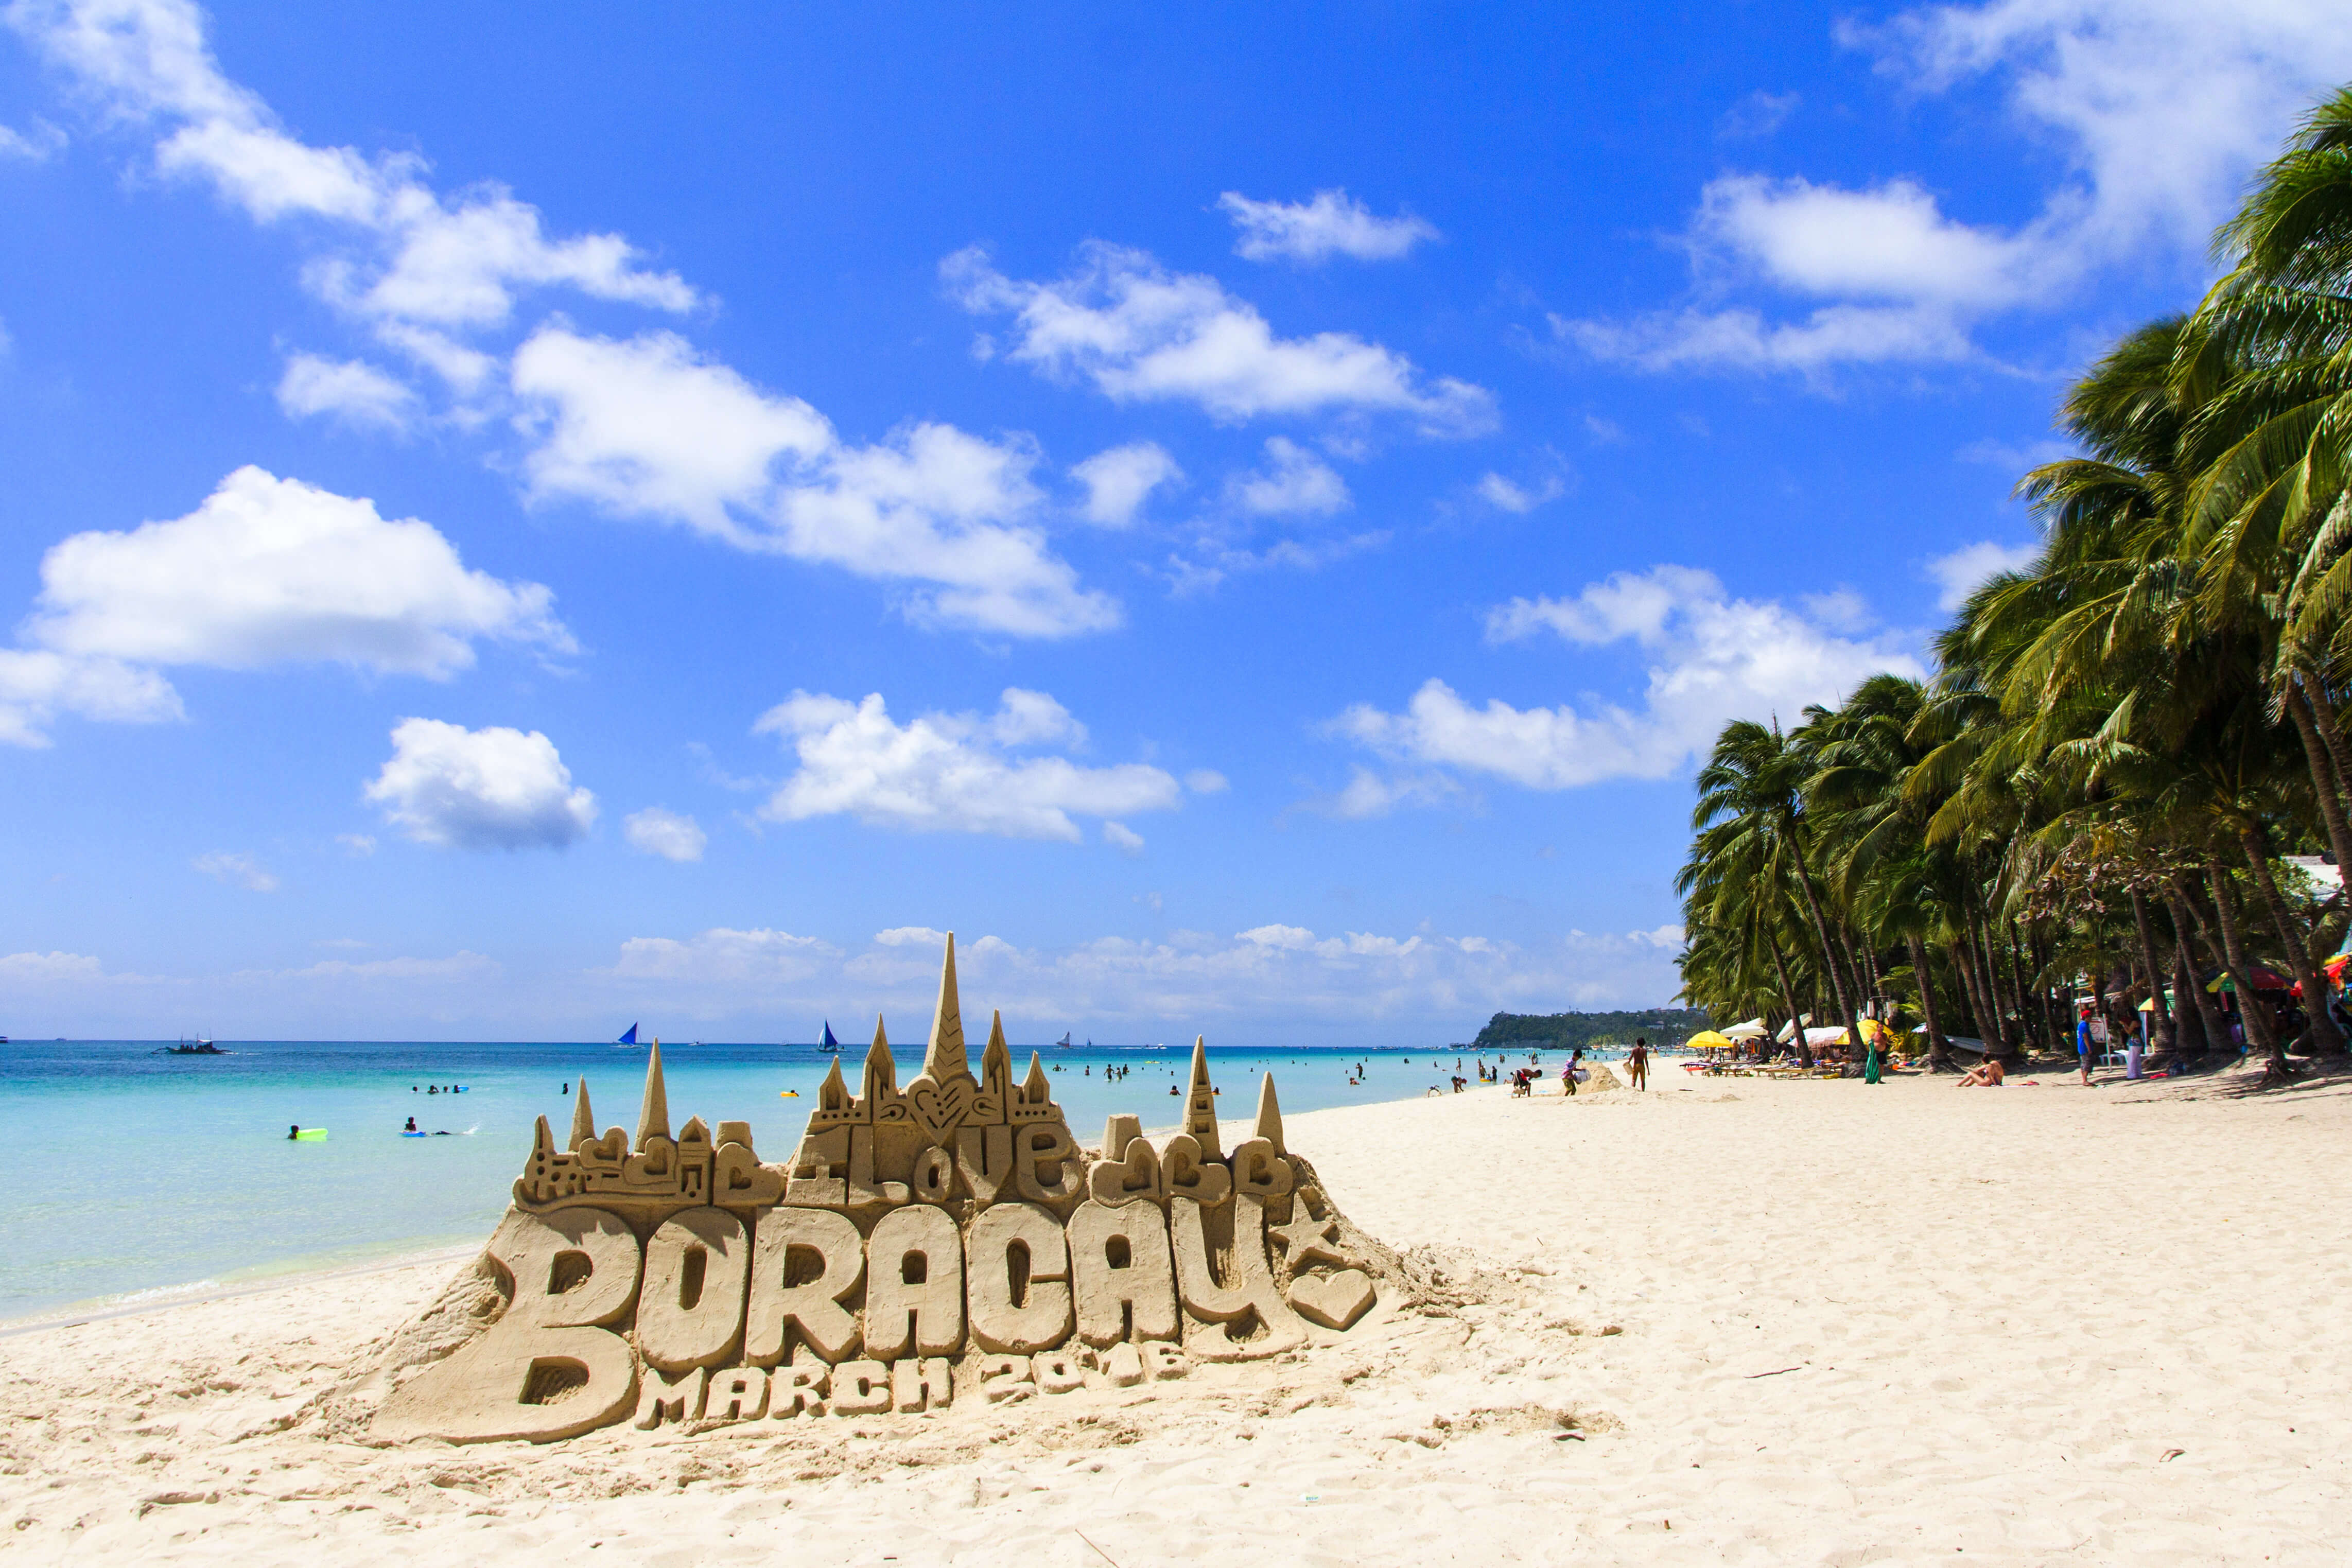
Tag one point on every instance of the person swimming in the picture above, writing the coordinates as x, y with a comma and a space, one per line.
412, 1125
293, 1132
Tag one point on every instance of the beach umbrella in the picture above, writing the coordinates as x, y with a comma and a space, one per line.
2265, 977
1707, 1040
1753, 1029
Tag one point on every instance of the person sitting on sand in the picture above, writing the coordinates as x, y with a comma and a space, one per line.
1986, 1074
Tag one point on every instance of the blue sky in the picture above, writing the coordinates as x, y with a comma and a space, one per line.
512, 526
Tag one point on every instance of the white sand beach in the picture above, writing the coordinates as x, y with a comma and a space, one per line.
1727, 1321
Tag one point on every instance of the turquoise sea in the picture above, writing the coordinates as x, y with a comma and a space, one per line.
157, 1173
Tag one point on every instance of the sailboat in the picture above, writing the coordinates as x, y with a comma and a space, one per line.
829, 1046
1064, 1043
628, 1039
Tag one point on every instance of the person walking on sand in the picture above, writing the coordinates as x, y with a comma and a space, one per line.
2084, 1044
1871, 1056
1637, 1063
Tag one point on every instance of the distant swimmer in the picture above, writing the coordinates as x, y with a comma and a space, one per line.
789, 1093
293, 1132
412, 1125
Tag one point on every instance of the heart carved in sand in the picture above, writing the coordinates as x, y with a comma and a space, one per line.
1334, 1300
939, 1108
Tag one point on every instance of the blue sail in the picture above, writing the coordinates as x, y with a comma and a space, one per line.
830, 1045
631, 1037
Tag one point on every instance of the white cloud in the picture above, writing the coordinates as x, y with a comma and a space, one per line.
349, 390
491, 788
1144, 334
2157, 108
34, 146
409, 254
646, 428
1206, 781
1368, 795
1712, 658
1512, 495
1422, 987
1962, 572
664, 833
1121, 480
1123, 838
271, 571
37, 685
238, 870
642, 427
1295, 481
1332, 224
951, 772
723, 956
358, 845
1759, 114
31, 968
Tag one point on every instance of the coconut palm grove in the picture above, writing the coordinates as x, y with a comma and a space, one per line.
2100, 794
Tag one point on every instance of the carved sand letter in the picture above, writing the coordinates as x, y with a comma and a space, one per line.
921, 1385
798, 1387
1250, 1297
861, 1388
1018, 1315
1060, 1371
914, 1284
984, 1158
1005, 1377
544, 1370
690, 1312
1186, 1174
818, 1177
1129, 1168
672, 1399
1259, 1169
1120, 1275
1045, 1167
739, 1395
805, 1265
934, 1178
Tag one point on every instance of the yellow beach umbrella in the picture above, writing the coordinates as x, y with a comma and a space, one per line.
1708, 1040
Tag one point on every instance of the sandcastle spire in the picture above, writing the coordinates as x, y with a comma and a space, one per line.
1201, 1105
1035, 1089
946, 1058
881, 1067
583, 1120
1269, 1115
833, 1094
994, 1056
653, 1117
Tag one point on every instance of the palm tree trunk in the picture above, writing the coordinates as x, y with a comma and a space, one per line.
1939, 1050
2187, 918
2323, 716
2326, 783
2326, 1039
1997, 1021
1964, 962
1822, 931
1788, 990
2161, 1036
2189, 1038
2252, 1012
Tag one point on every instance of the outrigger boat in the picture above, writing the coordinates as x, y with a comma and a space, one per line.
628, 1039
829, 1046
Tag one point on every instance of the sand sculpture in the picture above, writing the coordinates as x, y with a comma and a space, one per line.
945, 1240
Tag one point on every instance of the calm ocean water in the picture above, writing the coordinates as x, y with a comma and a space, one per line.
175, 1172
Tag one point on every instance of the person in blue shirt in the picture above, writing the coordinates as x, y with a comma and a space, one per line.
2084, 1044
